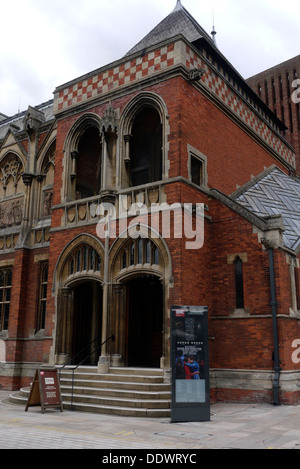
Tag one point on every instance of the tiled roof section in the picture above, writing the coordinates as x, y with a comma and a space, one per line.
2, 117
16, 121
178, 22
275, 193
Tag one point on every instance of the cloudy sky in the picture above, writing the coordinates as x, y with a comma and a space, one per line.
44, 44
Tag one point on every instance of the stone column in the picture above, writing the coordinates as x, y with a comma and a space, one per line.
64, 336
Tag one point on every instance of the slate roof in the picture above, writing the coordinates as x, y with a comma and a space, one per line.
178, 22
275, 193
17, 123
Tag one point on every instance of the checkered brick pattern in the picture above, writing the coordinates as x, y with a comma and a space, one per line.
239, 106
121, 75
160, 60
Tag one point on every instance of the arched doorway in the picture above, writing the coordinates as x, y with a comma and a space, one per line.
141, 276
144, 321
87, 322
79, 301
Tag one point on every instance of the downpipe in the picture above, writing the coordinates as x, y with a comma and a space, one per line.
276, 379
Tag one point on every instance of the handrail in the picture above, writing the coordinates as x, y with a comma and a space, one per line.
79, 353
112, 338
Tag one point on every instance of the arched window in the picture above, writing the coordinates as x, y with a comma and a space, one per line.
88, 165
239, 282
140, 251
146, 147
11, 170
84, 258
46, 180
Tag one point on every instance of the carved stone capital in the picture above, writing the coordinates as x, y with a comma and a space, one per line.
74, 154
27, 179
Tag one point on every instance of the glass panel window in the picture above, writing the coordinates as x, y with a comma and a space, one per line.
140, 252
79, 260
155, 256
92, 263
132, 254
196, 171
239, 283
148, 252
5, 295
146, 147
84, 258
124, 260
42, 302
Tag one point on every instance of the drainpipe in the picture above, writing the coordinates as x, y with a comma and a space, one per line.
275, 328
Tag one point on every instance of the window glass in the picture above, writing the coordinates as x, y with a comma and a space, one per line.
146, 148
5, 296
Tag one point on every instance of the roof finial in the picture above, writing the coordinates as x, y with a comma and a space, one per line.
178, 6
214, 33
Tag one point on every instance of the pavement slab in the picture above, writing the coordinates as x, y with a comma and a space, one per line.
232, 426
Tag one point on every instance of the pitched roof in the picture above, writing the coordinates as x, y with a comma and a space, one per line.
178, 22
17, 121
275, 193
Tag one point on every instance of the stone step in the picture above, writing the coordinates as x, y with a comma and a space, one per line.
147, 386
120, 411
117, 392
115, 401
21, 398
135, 378
137, 371
123, 391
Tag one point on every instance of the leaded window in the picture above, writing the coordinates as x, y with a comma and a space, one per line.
140, 251
42, 302
239, 282
5, 295
84, 258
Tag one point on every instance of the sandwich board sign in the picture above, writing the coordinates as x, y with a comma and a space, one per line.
45, 390
190, 364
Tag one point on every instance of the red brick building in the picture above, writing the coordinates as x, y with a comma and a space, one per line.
278, 87
171, 122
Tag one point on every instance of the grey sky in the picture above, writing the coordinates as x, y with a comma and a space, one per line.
45, 44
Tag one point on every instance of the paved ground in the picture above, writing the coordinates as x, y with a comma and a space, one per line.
232, 426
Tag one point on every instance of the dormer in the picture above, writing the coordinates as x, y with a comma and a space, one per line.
33, 120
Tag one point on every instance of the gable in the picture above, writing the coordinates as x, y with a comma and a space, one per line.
275, 193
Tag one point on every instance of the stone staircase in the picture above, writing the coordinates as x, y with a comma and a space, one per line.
134, 392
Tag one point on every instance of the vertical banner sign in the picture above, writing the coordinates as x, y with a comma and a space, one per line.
45, 390
190, 364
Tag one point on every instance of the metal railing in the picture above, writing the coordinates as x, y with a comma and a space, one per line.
112, 338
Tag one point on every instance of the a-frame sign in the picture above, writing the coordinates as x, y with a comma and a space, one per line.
45, 390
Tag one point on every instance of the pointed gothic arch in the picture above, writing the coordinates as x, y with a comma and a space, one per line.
144, 146
148, 269
83, 142
77, 287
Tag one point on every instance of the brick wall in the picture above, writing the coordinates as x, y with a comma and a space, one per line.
274, 86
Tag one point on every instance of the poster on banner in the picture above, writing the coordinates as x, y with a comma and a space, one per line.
190, 366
